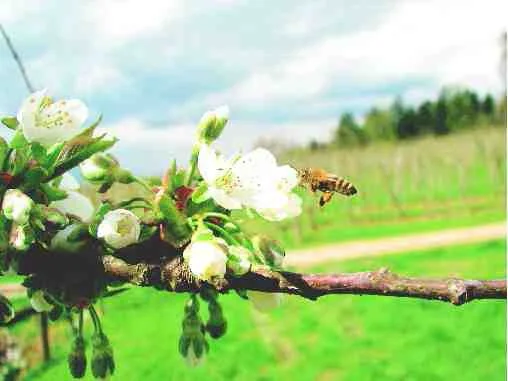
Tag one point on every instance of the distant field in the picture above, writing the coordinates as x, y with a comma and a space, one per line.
425, 184
337, 338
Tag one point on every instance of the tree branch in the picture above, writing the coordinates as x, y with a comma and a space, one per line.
172, 274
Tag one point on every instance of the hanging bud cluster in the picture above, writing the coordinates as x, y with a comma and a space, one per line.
193, 345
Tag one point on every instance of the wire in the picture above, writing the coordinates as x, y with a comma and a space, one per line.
17, 58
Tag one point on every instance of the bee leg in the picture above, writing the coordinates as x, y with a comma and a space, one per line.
325, 197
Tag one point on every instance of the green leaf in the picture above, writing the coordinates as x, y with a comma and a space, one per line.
19, 141
79, 233
147, 232
53, 193
178, 179
33, 177
38, 153
4, 151
175, 230
98, 217
200, 193
18, 161
10, 122
53, 153
80, 148
6, 310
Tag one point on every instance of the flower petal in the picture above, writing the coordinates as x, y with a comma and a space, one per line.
75, 204
223, 199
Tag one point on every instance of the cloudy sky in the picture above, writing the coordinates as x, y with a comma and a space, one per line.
286, 68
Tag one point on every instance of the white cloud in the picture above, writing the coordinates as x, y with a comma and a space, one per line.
116, 22
445, 42
14, 10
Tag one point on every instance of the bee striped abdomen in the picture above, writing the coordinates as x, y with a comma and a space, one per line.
345, 187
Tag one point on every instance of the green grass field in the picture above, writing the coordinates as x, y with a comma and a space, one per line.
417, 185
336, 338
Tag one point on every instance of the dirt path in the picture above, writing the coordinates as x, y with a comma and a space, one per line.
381, 246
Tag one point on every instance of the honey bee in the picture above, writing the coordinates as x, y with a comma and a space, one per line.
327, 183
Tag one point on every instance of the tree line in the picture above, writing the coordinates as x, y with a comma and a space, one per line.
453, 110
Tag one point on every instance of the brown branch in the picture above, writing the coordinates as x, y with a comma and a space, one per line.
173, 275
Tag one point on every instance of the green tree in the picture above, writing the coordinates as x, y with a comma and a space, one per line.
441, 126
488, 105
426, 117
379, 125
349, 133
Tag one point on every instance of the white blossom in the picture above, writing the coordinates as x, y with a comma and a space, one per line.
119, 228
17, 206
39, 302
290, 206
48, 122
264, 301
253, 181
75, 203
206, 259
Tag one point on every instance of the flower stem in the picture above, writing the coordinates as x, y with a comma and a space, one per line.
95, 319
223, 233
143, 183
80, 324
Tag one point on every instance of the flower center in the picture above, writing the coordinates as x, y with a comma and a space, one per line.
123, 226
48, 118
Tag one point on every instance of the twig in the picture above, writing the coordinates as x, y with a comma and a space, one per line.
173, 275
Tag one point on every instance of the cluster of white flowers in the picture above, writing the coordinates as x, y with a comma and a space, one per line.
253, 180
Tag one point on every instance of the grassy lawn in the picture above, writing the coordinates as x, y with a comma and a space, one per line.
336, 338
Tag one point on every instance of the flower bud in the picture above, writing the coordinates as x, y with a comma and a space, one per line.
206, 259
119, 228
238, 260
77, 358
98, 168
193, 349
272, 254
39, 302
211, 124
21, 237
192, 345
6, 310
53, 216
17, 206
264, 301
103, 363
217, 324
61, 242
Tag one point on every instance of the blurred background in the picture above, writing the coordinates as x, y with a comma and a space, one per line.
405, 98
